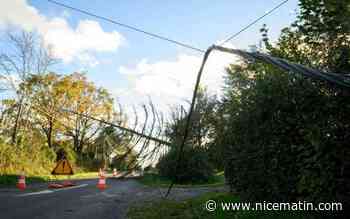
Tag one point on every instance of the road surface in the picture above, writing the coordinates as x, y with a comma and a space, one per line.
83, 201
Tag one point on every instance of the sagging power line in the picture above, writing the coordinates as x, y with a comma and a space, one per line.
118, 126
129, 130
132, 138
154, 35
254, 22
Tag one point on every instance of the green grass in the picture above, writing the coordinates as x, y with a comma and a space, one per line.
195, 208
154, 180
87, 175
12, 179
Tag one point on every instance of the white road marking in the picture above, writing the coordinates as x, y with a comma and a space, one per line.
35, 193
51, 191
72, 187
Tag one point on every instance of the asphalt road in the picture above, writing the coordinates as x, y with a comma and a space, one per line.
85, 200
82, 201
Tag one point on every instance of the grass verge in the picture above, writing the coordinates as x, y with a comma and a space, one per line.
12, 179
195, 208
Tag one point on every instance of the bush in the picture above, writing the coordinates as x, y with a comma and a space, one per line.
283, 140
194, 166
34, 159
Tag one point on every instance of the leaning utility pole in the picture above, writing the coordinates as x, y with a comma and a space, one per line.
336, 79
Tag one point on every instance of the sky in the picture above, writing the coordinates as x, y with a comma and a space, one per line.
133, 66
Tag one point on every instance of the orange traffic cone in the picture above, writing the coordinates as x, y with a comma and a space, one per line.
114, 172
101, 182
21, 184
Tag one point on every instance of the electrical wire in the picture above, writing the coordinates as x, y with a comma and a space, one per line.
254, 22
154, 35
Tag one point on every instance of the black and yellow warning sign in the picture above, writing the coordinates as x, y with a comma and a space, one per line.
62, 168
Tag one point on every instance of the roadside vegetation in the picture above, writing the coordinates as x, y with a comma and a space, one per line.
11, 180
195, 209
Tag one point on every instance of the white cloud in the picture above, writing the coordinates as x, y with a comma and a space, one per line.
19, 13
87, 60
9, 82
172, 81
67, 42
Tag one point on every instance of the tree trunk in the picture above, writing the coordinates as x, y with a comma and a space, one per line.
16, 125
76, 143
49, 134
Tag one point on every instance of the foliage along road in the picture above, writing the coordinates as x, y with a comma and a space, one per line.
84, 200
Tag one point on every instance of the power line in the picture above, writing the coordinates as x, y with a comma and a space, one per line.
98, 120
118, 126
154, 35
127, 26
254, 22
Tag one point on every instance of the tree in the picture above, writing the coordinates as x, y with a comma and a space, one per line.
195, 164
203, 118
51, 95
287, 134
109, 145
85, 99
46, 94
29, 56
